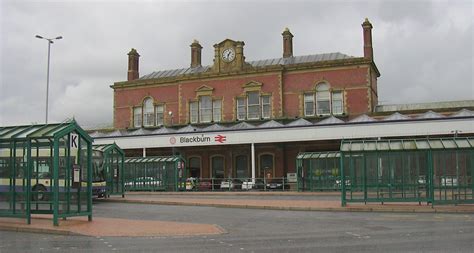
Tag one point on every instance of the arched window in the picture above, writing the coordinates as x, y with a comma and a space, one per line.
241, 166
323, 99
266, 168
148, 112
217, 165
195, 167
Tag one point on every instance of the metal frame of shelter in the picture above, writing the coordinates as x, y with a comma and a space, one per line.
159, 173
318, 171
45, 169
436, 171
111, 157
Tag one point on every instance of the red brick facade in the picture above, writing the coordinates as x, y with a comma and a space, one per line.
354, 77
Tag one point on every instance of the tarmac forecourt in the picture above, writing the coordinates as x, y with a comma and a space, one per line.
290, 201
253, 200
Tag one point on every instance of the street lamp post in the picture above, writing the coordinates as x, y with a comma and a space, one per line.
50, 41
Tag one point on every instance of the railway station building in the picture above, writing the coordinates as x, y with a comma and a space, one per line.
249, 119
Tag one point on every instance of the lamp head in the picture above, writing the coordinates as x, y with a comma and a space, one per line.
39, 37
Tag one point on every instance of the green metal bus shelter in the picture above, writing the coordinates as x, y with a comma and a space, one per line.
160, 173
436, 171
318, 171
45, 169
108, 178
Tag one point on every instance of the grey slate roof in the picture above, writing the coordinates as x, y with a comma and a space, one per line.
215, 127
270, 123
260, 63
430, 115
330, 120
242, 125
140, 131
362, 118
300, 122
463, 113
164, 130
188, 129
397, 116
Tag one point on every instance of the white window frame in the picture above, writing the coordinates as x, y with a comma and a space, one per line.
137, 116
309, 98
205, 110
241, 108
148, 113
160, 114
193, 112
323, 96
217, 110
266, 106
340, 100
253, 106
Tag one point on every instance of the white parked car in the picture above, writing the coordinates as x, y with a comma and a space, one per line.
449, 181
247, 185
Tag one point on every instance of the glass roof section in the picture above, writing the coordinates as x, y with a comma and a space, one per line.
318, 155
408, 144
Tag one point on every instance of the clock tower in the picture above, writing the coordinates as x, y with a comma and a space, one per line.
229, 57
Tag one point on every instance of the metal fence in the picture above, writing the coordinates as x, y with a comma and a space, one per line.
238, 184
435, 171
165, 173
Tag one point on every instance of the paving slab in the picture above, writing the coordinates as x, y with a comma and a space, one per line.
294, 205
109, 227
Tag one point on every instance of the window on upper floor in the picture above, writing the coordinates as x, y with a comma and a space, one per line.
205, 110
254, 106
160, 110
323, 101
149, 114
137, 116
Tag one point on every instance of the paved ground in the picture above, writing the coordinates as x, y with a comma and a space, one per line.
282, 201
259, 230
101, 226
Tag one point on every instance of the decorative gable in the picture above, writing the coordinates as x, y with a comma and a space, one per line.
204, 90
252, 86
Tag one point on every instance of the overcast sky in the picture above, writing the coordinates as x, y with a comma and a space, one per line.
423, 49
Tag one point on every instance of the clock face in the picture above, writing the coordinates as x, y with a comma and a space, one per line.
228, 54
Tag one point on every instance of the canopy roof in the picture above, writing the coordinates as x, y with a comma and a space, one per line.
318, 155
408, 144
153, 159
107, 148
41, 131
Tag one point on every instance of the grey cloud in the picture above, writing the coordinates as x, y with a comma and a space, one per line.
422, 48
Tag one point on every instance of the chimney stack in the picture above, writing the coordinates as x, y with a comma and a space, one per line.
368, 50
133, 65
287, 43
195, 54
